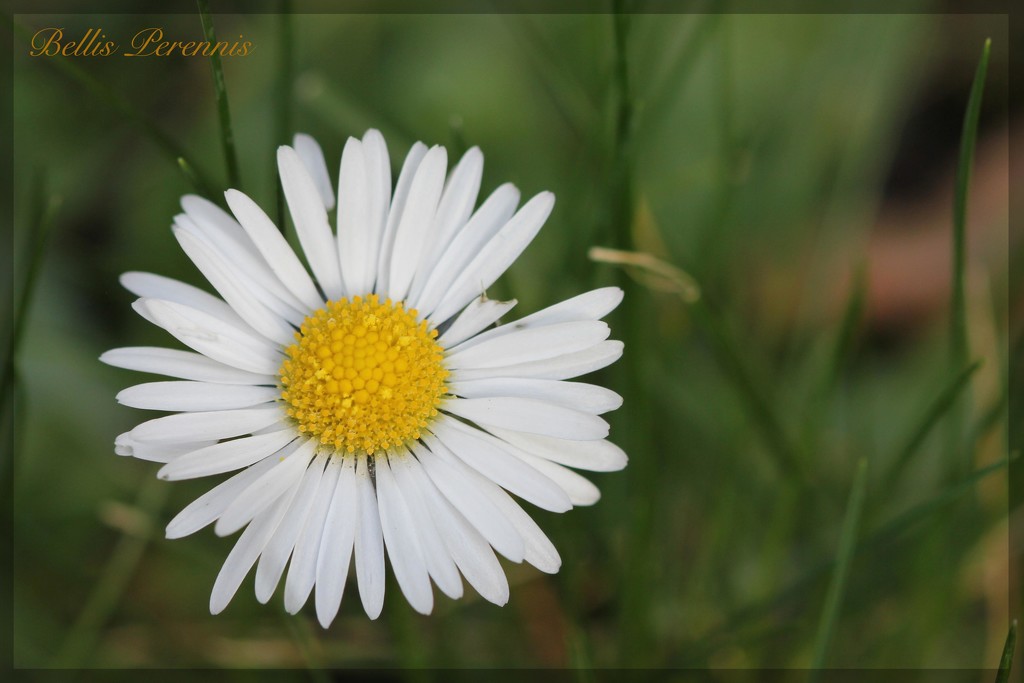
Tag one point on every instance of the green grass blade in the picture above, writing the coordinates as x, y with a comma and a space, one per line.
852, 316
635, 633
106, 96
836, 588
227, 136
669, 83
882, 536
942, 404
750, 390
42, 213
572, 102
968, 138
958, 345
304, 637
949, 495
284, 90
106, 593
1006, 661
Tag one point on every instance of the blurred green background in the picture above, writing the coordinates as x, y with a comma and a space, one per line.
799, 168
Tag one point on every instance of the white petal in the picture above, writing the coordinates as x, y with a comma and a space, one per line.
274, 249
209, 506
354, 208
336, 546
484, 454
265, 490
597, 456
184, 364
454, 209
438, 560
150, 286
211, 336
496, 256
378, 191
466, 546
216, 424
237, 293
400, 539
195, 396
588, 398
581, 491
523, 346
275, 555
312, 157
310, 219
540, 551
559, 367
242, 557
226, 456
226, 236
480, 313
369, 544
592, 305
387, 244
528, 415
494, 213
302, 571
467, 499
459, 198
125, 445
413, 230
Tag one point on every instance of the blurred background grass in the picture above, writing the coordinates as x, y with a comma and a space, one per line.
772, 157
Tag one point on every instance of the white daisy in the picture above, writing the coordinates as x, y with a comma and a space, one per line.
375, 404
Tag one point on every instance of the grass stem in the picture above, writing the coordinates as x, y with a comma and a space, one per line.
227, 136
837, 587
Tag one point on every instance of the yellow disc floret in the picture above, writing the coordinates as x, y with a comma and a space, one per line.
363, 375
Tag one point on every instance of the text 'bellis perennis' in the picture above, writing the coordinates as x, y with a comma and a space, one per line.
374, 406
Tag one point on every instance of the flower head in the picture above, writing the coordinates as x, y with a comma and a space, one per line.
374, 407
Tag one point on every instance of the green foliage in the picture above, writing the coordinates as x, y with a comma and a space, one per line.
734, 148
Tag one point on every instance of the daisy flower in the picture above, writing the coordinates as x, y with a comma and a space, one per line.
374, 406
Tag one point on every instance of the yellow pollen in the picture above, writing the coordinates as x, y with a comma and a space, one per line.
363, 375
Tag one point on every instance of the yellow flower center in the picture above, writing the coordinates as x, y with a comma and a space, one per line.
363, 375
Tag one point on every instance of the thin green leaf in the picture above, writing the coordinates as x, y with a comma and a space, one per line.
756, 398
635, 625
305, 640
837, 587
284, 92
852, 316
106, 593
227, 136
573, 103
457, 135
668, 84
935, 411
43, 211
882, 536
1006, 661
958, 303
968, 138
122, 106
345, 113
189, 172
